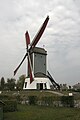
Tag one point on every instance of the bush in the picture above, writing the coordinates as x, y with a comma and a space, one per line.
48, 101
10, 106
3, 97
32, 100
67, 101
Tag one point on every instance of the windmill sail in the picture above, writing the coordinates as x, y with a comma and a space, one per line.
40, 32
30, 69
15, 71
27, 38
29, 60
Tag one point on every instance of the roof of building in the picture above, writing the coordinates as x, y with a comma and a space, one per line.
38, 50
77, 85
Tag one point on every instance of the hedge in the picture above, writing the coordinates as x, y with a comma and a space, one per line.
10, 106
32, 100
67, 101
47, 101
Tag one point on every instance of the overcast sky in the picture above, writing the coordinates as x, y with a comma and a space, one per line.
61, 38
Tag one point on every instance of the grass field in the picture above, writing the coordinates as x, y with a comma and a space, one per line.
43, 113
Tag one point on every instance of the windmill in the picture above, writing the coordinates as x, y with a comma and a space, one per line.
37, 77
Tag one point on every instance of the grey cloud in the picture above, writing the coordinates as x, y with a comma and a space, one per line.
61, 37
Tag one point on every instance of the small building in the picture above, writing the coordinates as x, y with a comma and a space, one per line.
1, 110
76, 86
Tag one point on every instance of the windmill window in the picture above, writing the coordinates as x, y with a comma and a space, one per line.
45, 86
25, 84
38, 86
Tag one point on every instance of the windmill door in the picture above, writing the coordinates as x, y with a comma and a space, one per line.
41, 86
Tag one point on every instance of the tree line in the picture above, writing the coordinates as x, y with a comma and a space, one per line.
12, 84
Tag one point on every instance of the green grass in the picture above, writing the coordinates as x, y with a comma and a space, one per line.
43, 113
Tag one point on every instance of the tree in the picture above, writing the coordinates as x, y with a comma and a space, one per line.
11, 83
2, 83
20, 82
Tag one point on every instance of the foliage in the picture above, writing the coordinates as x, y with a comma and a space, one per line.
11, 84
4, 97
47, 101
67, 101
32, 100
10, 106
20, 82
2, 83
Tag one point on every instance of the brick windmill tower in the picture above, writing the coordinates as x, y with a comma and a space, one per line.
37, 76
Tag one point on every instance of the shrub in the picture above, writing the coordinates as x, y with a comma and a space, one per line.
3, 97
48, 101
32, 100
67, 101
10, 106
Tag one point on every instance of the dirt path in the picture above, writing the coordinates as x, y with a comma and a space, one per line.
57, 93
